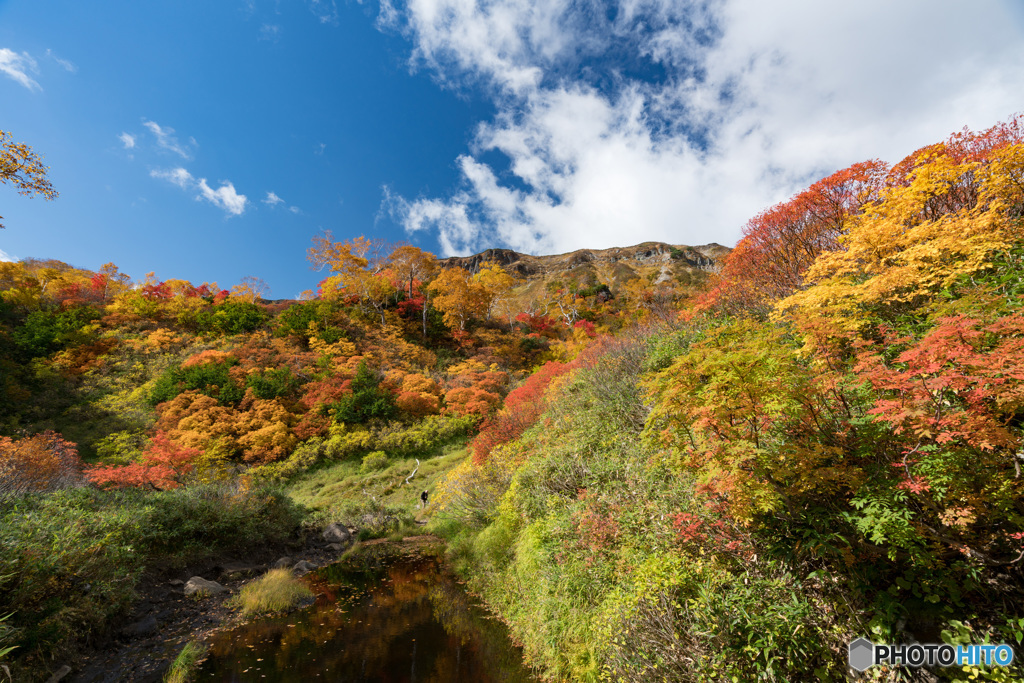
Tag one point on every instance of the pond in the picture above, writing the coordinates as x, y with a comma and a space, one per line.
380, 617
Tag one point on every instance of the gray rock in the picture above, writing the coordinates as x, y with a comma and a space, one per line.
199, 585
337, 533
303, 567
176, 582
283, 562
336, 547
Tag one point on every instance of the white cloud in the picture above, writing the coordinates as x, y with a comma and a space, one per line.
70, 67
166, 139
273, 200
753, 102
225, 197
270, 32
17, 66
4, 256
179, 176
127, 139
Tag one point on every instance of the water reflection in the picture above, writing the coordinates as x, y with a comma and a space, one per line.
382, 617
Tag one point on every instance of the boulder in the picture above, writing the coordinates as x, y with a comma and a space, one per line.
303, 567
283, 562
337, 533
199, 585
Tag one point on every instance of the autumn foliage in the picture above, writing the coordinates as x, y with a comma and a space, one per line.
163, 466
42, 462
781, 243
887, 385
522, 408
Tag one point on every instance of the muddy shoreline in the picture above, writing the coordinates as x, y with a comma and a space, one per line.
164, 619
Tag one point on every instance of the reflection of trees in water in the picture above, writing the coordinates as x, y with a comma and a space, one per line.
477, 635
397, 620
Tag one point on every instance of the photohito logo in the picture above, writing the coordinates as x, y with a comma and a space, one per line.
865, 654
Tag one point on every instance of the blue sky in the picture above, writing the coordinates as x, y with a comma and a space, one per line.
212, 140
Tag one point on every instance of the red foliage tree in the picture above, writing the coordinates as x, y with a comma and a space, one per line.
779, 244
523, 407
163, 466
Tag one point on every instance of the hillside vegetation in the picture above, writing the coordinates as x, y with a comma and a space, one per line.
659, 462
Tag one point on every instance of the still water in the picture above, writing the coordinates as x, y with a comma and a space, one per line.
394, 618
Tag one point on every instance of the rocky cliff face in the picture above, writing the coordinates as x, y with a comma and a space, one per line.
657, 261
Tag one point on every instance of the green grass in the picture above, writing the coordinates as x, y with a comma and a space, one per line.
343, 484
275, 591
186, 663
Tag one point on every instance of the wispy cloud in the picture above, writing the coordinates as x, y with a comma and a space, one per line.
165, 138
324, 10
224, 197
270, 32
4, 256
127, 139
70, 67
273, 200
17, 66
179, 176
677, 121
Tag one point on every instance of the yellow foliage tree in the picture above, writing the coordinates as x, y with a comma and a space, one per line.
23, 168
916, 241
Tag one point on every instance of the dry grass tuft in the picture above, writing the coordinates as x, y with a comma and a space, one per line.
275, 591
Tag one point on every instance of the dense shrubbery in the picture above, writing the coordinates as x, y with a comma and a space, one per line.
210, 378
70, 559
831, 450
46, 331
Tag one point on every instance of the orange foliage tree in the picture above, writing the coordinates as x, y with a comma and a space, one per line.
23, 168
42, 462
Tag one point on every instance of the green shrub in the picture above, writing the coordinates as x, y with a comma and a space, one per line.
237, 317
212, 379
49, 330
377, 460
272, 383
367, 401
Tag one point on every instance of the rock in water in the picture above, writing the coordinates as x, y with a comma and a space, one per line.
198, 584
